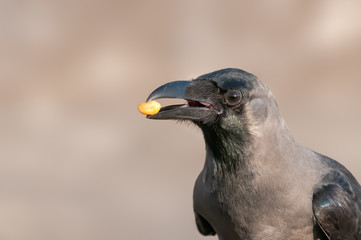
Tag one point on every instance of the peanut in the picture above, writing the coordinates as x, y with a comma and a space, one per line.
149, 108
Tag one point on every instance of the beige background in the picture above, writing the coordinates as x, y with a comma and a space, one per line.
77, 159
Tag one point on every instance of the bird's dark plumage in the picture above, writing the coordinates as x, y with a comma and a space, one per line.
257, 182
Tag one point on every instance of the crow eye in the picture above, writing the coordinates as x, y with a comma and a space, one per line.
233, 97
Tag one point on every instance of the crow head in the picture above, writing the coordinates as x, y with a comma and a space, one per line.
230, 99
231, 106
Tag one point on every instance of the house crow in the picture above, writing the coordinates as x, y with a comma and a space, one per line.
257, 182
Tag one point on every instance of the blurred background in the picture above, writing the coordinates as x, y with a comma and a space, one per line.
77, 160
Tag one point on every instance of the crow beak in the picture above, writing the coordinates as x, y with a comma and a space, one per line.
196, 109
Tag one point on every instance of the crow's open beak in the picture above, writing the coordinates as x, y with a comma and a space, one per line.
197, 108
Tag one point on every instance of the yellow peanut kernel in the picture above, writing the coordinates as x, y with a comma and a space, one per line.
149, 108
